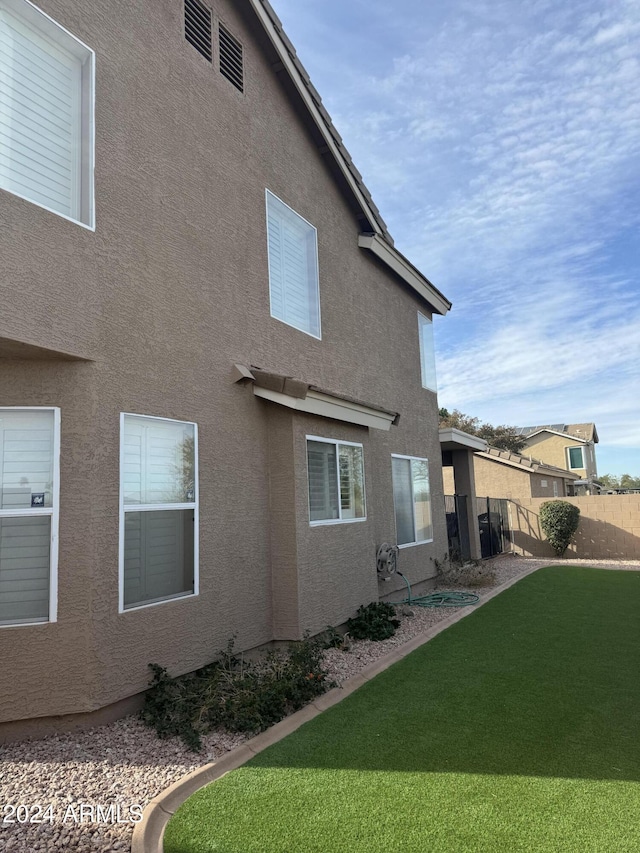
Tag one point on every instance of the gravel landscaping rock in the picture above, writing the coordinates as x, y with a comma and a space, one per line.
124, 765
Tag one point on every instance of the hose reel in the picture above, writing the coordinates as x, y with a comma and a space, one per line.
386, 560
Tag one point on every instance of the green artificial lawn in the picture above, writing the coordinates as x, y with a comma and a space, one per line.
517, 729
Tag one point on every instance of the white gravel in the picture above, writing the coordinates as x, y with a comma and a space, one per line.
125, 765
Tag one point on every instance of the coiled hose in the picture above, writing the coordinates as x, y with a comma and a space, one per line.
438, 599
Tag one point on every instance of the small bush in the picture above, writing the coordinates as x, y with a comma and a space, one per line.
375, 621
559, 521
331, 638
234, 694
472, 574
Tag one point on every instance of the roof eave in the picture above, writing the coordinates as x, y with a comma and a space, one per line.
403, 268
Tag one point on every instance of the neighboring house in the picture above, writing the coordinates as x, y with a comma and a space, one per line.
217, 395
569, 446
504, 474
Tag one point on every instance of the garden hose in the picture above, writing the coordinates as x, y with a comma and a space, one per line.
438, 599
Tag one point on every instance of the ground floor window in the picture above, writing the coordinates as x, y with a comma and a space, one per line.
158, 510
29, 490
336, 480
412, 500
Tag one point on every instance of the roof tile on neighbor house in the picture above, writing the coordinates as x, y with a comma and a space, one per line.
586, 431
508, 457
583, 432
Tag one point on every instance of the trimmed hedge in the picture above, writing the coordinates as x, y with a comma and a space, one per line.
559, 521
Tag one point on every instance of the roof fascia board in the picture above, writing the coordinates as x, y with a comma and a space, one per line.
405, 270
316, 403
272, 32
464, 439
561, 434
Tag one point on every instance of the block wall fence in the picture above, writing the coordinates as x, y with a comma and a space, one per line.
609, 528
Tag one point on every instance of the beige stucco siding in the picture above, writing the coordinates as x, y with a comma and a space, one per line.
169, 292
499, 480
553, 449
542, 486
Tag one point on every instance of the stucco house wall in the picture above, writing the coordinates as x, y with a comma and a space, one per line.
147, 315
499, 480
552, 449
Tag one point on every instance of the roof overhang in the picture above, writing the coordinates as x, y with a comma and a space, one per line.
328, 406
302, 397
12, 348
403, 268
455, 439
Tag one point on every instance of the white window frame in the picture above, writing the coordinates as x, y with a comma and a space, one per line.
415, 532
316, 293
49, 29
571, 467
340, 520
427, 353
53, 512
555, 488
194, 505
544, 484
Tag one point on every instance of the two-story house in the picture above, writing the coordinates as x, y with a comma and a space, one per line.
568, 446
217, 385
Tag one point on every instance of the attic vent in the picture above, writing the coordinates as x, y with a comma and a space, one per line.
197, 27
231, 58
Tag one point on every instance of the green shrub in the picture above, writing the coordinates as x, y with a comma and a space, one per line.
331, 638
234, 694
559, 521
375, 621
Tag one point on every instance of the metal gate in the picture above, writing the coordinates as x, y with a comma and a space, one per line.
493, 522
455, 507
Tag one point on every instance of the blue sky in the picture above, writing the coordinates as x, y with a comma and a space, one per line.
501, 142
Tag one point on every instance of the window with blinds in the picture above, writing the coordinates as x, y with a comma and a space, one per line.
46, 113
29, 449
411, 500
159, 510
336, 481
293, 267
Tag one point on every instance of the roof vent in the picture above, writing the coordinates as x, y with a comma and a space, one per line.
197, 27
231, 65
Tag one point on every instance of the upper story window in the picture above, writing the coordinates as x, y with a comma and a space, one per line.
576, 457
427, 353
46, 112
29, 486
293, 267
158, 510
412, 500
336, 480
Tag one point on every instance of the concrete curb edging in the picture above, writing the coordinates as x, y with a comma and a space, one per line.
148, 834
